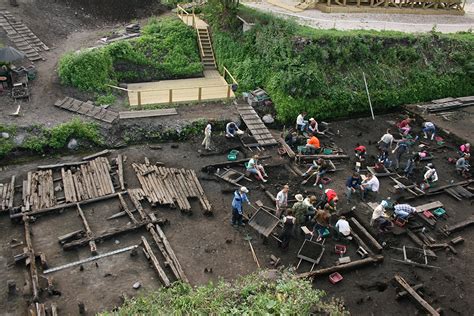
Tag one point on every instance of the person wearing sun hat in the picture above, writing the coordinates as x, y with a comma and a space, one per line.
240, 196
299, 209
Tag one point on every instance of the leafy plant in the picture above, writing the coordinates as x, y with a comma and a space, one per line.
105, 99
255, 294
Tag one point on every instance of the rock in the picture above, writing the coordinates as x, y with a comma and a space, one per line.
58, 188
5, 135
73, 144
268, 119
117, 242
19, 139
136, 285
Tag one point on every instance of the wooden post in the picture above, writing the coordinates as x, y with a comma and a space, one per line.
368, 96
427, 307
139, 98
171, 96
228, 92
199, 93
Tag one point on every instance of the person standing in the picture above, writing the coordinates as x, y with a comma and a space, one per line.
370, 184
240, 196
400, 149
288, 222
299, 210
281, 201
411, 164
386, 141
352, 184
207, 137
429, 128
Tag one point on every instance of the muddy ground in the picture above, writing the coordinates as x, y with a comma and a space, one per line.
202, 242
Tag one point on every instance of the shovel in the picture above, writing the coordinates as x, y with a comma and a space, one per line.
306, 180
249, 238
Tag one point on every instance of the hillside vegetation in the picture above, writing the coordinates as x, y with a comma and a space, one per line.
167, 49
254, 294
320, 71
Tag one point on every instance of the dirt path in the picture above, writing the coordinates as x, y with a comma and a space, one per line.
409, 23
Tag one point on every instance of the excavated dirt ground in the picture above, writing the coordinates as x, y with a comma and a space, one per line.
211, 242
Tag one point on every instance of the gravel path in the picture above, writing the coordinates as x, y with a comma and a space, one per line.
410, 23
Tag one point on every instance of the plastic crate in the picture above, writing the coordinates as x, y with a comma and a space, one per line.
232, 155
335, 278
439, 212
327, 151
340, 249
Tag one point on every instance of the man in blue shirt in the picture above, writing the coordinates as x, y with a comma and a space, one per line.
240, 196
352, 184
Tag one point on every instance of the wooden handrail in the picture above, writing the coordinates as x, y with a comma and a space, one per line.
157, 90
230, 75
200, 43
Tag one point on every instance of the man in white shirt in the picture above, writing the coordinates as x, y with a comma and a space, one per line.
300, 122
370, 184
343, 228
206, 142
430, 176
386, 141
281, 201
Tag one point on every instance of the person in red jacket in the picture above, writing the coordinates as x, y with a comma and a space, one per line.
360, 151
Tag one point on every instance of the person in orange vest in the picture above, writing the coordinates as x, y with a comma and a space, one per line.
313, 145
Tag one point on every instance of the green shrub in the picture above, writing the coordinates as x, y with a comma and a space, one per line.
105, 99
167, 49
320, 71
250, 295
87, 70
62, 133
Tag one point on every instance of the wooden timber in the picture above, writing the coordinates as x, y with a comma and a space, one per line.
99, 154
147, 113
311, 157
368, 236
65, 206
120, 171
342, 267
428, 206
89, 234
458, 226
31, 262
232, 163
412, 292
155, 262
126, 209
287, 148
111, 233
88, 109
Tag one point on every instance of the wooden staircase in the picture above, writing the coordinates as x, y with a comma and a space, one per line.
205, 48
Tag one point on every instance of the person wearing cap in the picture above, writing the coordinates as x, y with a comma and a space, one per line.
313, 126
430, 176
288, 222
462, 165
300, 209
370, 184
380, 218
240, 196
313, 145
281, 201
331, 199
255, 168
207, 137
352, 184
465, 149
342, 229
403, 210
429, 128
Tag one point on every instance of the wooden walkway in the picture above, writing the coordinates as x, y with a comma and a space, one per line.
258, 129
87, 108
210, 87
23, 38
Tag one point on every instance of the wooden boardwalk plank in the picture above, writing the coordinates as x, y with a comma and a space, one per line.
147, 113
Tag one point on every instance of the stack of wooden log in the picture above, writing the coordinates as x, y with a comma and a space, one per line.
38, 190
171, 186
89, 181
7, 192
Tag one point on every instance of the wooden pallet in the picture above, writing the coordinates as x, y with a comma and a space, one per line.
87, 108
147, 113
447, 104
258, 129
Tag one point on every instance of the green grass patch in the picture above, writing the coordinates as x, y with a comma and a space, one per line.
320, 71
250, 295
167, 49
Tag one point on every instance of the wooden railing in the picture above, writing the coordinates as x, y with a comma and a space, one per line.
185, 15
200, 44
227, 72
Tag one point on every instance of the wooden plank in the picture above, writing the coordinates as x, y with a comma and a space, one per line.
427, 307
155, 262
120, 171
171, 253
342, 267
99, 154
368, 236
88, 230
126, 209
428, 206
458, 226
